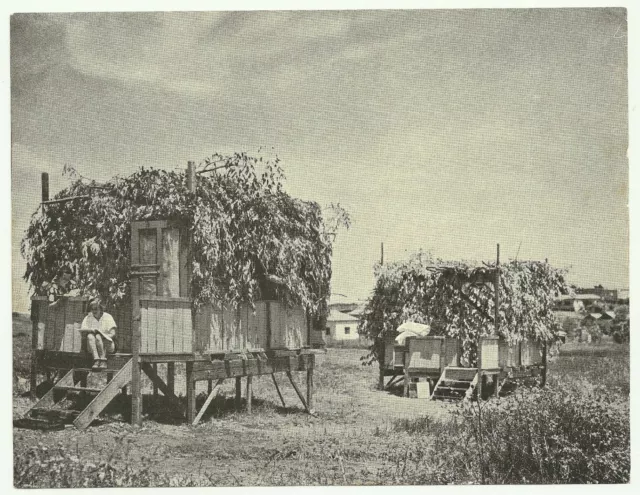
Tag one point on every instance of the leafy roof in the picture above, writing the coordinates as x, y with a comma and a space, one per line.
248, 236
457, 299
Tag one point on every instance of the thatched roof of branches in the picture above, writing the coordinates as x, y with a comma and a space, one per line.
458, 299
248, 235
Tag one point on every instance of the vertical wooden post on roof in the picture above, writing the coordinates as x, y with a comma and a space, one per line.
497, 292
45, 186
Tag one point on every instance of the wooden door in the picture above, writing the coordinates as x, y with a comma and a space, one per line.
159, 278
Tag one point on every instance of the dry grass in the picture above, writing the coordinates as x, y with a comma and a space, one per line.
360, 435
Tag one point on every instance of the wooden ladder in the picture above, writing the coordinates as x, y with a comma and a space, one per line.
455, 383
44, 415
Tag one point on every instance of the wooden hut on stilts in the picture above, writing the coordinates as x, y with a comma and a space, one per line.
160, 322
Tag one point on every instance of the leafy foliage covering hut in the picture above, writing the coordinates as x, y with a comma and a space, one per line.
248, 237
458, 301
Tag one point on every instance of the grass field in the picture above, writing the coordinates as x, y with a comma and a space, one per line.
360, 435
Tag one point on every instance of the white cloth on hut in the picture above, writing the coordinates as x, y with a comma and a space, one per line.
411, 329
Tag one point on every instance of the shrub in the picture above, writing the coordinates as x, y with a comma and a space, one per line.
43, 467
536, 436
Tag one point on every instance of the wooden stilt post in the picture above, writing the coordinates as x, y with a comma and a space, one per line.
191, 393
171, 377
381, 378
543, 380
310, 382
238, 392
407, 380
273, 377
33, 377
136, 391
249, 392
155, 387
209, 386
300, 396
207, 402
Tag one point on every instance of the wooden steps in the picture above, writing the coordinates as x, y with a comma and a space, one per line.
79, 389
44, 414
456, 384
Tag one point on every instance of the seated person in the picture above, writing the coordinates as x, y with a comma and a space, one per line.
100, 329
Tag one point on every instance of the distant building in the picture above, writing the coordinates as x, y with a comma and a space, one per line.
341, 327
576, 303
608, 295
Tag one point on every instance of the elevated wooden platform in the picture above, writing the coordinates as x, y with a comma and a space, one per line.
125, 369
438, 360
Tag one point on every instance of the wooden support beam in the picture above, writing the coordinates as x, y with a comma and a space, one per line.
300, 396
155, 385
209, 386
33, 375
310, 389
207, 402
106, 395
273, 377
151, 372
64, 200
238, 392
249, 392
543, 379
191, 394
136, 392
407, 380
171, 377
52, 397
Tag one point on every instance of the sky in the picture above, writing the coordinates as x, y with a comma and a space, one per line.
443, 130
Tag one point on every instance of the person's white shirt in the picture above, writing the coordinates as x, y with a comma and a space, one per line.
106, 325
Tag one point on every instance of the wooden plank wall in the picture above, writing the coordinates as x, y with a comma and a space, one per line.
490, 352
165, 325
424, 352
453, 351
59, 324
122, 315
509, 356
288, 326
531, 353
219, 328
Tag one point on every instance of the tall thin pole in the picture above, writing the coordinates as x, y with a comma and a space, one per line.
382, 253
45, 188
191, 176
497, 291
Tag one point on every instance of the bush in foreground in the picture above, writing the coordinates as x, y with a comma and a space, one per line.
43, 467
536, 436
